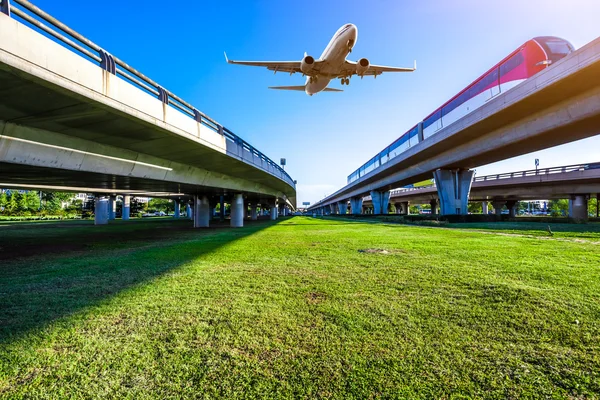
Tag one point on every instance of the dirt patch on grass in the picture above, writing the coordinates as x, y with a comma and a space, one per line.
315, 297
379, 251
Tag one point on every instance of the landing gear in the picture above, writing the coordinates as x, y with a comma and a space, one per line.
312, 79
345, 81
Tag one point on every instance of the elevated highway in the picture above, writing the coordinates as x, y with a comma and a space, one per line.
558, 105
573, 182
72, 115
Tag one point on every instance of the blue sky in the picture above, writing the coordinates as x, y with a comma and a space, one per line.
326, 137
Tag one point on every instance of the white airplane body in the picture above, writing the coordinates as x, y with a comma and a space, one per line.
331, 65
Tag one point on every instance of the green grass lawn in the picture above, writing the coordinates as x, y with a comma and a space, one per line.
302, 308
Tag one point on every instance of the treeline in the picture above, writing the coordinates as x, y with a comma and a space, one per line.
31, 203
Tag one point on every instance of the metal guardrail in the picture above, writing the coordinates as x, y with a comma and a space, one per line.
236, 146
538, 172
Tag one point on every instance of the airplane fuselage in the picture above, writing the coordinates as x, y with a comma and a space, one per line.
333, 58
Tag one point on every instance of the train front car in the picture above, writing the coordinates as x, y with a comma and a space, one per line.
523, 63
520, 65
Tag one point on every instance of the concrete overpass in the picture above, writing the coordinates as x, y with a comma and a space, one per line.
573, 182
558, 105
74, 116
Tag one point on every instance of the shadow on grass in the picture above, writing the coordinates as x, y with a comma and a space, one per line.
40, 289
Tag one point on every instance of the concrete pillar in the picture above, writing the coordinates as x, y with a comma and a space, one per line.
484, 207
237, 211
434, 205
188, 211
176, 206
512, 208
126, 209
398, 207
356, 205
342, 207
405, 205
100, 211
498, 204
253, 213
112, 207
201, 212
380, 201
274, 210
453, 189
578, 207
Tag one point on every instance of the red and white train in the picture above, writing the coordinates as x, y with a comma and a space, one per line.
526, 61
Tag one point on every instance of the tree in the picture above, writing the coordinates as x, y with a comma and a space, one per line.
592, 204
32, 201
475, 207
165, 205
559, 207
3, 201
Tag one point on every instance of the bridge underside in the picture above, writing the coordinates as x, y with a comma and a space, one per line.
38, 112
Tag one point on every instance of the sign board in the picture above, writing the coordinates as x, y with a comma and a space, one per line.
306, 203
282, 161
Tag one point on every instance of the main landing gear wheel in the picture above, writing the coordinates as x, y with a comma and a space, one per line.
345, 81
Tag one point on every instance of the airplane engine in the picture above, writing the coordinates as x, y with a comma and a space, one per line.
307, 66
362, 66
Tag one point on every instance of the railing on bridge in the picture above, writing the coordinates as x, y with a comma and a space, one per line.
536, 172
236, 146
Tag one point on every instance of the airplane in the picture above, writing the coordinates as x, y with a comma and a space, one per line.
331, 65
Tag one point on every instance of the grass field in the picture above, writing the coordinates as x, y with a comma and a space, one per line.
301, 308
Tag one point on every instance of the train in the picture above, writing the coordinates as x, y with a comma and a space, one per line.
524, 62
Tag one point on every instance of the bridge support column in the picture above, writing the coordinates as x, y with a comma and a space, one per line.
112, 207
176, 213
342, 207
126, 208
578, 207
405, 207
356, 205
188, 211
484, 207
434, 206
498, 204
253, 212
380, 201
237, 211
201, 212
398, 207
274, 210
100, 210
512, 208
453, 190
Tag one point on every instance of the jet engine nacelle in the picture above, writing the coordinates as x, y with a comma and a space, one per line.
362, 66
307, 65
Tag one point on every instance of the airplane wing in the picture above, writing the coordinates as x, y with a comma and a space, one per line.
277, 66
374, 70
302, 88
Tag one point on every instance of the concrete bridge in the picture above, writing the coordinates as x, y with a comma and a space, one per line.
558, 105
74, 116
574, 182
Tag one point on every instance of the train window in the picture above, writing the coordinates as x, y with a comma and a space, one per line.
557, 47
413, 132
511, 64
434, 117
